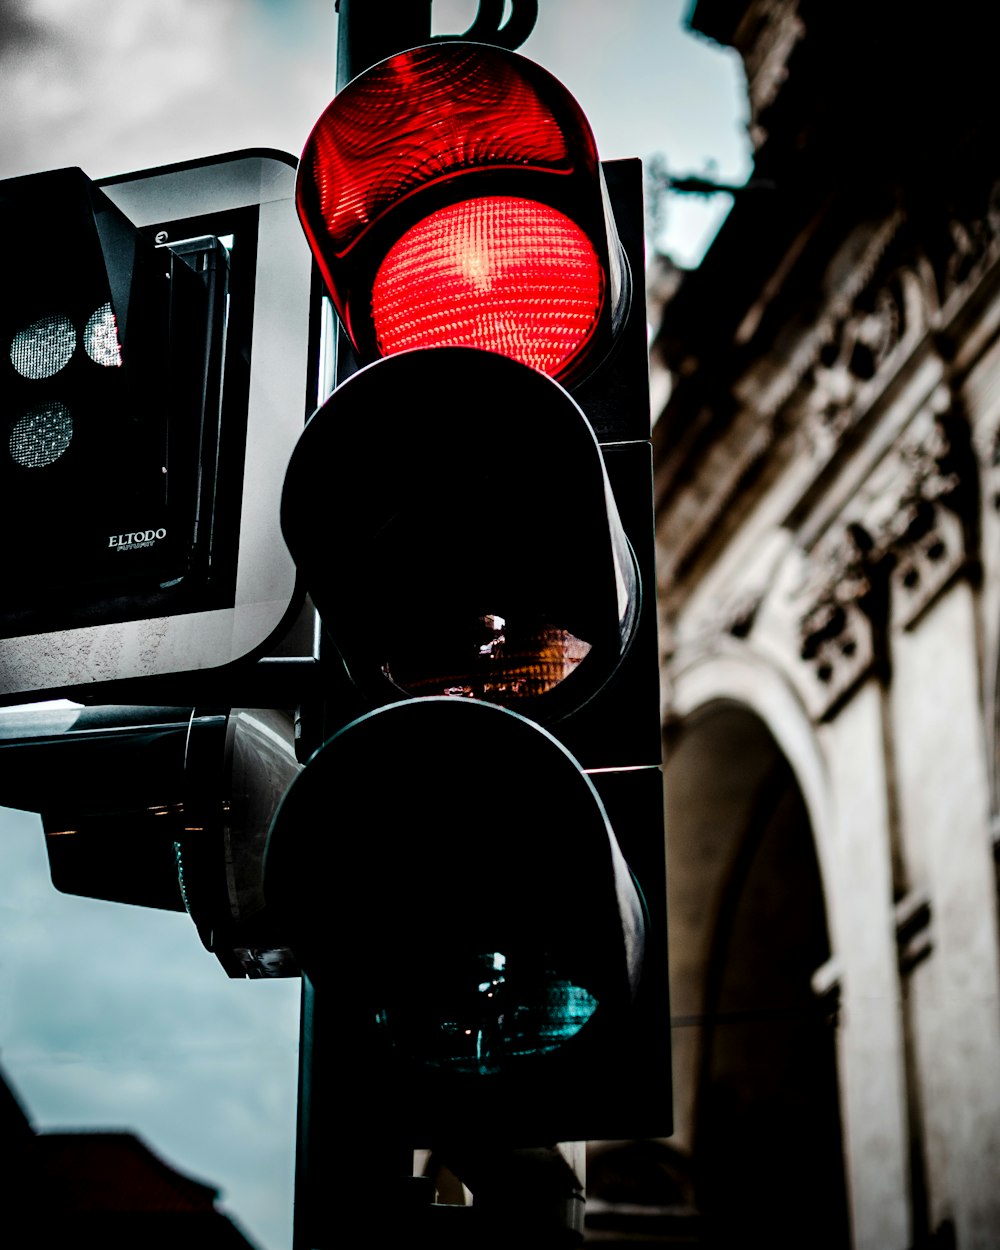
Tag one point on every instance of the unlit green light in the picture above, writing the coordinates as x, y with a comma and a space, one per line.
488, 1016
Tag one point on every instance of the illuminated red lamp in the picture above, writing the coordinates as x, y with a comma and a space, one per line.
452, 196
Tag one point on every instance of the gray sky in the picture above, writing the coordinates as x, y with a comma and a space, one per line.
121, 85
116, 1017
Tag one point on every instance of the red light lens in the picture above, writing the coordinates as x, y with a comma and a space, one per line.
509, 275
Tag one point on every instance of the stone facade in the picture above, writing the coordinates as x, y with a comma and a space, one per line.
828, 537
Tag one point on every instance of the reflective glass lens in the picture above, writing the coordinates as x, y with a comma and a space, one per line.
100, 337
482, 1016
40, 436
506, 274
488, 660
43, 348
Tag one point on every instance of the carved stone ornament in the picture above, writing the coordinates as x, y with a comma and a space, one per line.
837, 633
884, 570
925, 539
972, 242
892, 312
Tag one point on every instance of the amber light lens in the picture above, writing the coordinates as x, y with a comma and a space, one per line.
489, 660
509, 275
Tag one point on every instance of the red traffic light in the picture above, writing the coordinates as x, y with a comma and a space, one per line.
452, 196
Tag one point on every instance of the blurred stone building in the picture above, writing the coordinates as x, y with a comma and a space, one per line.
828, 526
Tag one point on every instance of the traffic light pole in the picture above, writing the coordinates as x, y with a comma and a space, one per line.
344, 1148
368, 32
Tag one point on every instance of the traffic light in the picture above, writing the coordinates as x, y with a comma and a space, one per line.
449, 874
160, 355
477, 217
470, 868
476, 550
160, 337
108, 341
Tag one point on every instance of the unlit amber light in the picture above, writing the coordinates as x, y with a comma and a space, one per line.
492, 662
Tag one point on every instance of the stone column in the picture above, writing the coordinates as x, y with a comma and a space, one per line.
842, 642
943, 788
870, 1036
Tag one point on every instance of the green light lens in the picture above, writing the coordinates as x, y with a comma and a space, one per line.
487, 1015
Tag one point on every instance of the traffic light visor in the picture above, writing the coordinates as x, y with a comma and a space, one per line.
452, 195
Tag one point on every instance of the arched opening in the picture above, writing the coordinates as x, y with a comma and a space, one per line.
754, 1044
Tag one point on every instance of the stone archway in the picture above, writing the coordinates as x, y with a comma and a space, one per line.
754, 1045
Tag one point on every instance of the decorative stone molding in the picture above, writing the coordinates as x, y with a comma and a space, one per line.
971, 242
925, 540
839, 630
787, 374
892, 313
883, 290
701, 505
910, 537
920, 507
891, 296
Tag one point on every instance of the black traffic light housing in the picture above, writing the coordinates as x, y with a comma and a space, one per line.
146, 551
452, 194
452, 881
171, 318
451, 514
112, 344
477, 538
